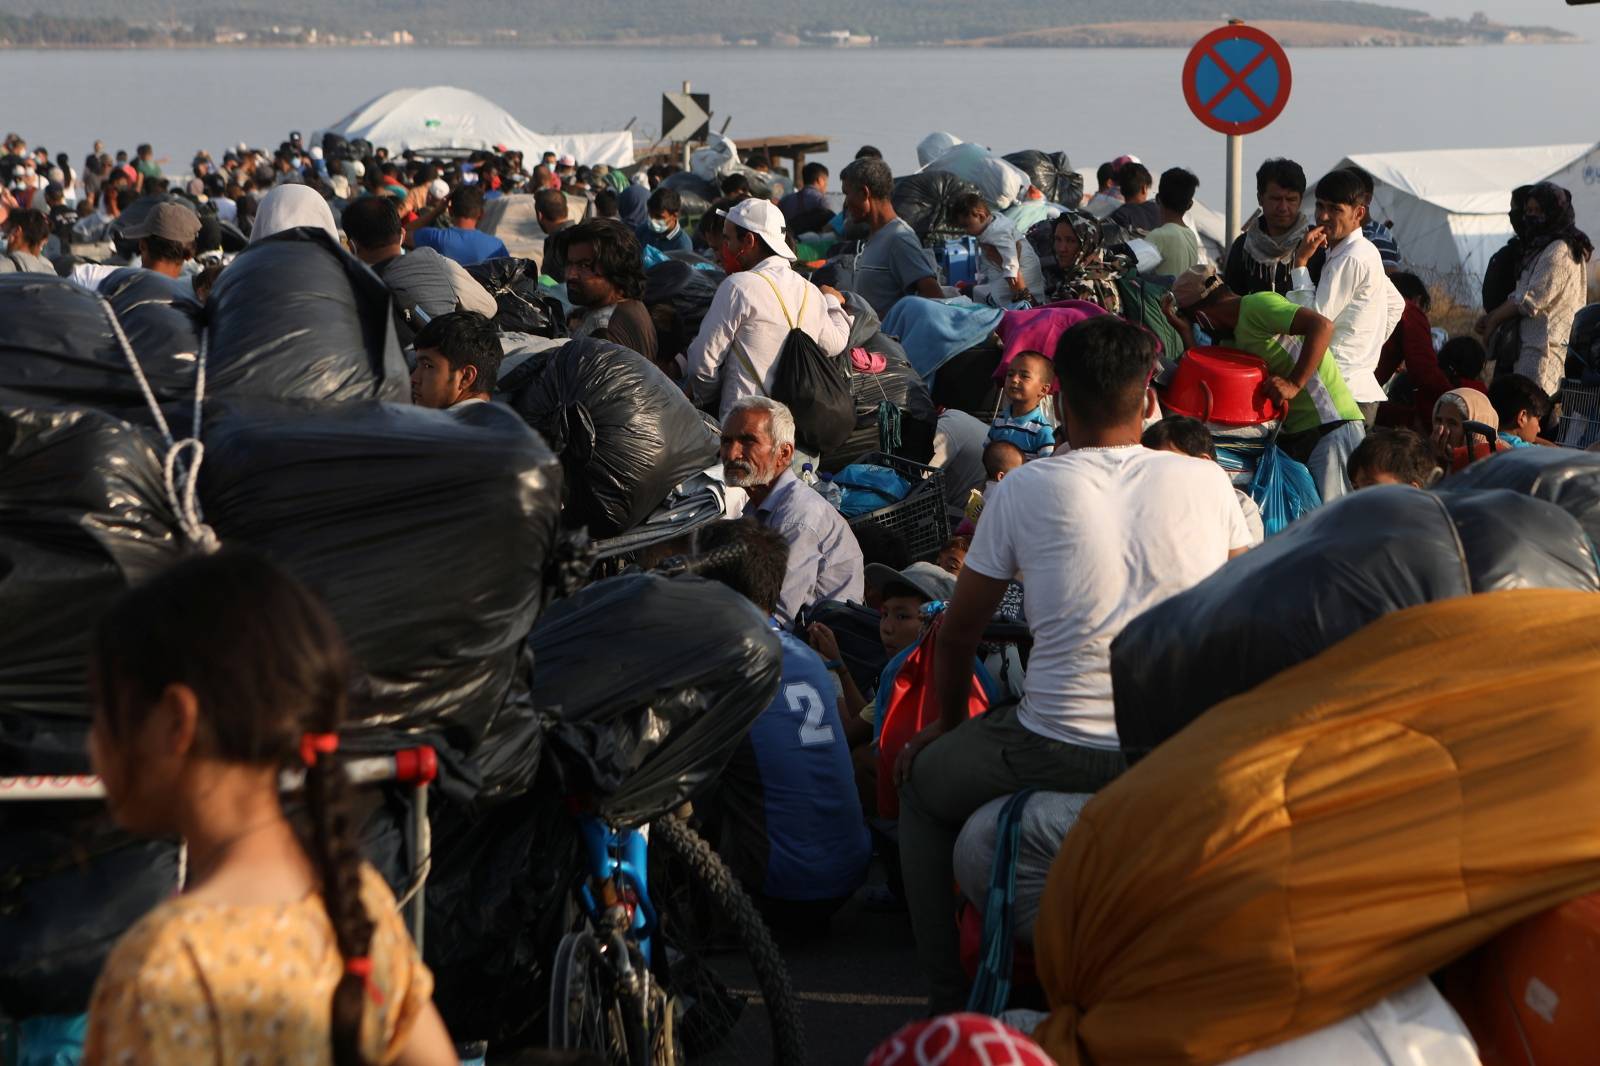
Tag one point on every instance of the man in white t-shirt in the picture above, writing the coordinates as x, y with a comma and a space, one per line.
1096, 536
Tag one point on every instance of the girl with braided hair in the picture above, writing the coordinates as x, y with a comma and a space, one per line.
284, 946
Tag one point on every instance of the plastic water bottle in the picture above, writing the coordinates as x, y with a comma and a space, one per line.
808, 475
831, 492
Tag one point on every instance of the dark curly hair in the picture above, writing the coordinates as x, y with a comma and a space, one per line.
617, 255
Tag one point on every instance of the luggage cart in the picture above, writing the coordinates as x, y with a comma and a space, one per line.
416, 767
1580, 415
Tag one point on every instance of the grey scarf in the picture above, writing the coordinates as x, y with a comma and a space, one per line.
1267, 249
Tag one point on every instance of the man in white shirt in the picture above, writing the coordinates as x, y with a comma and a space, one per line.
736, 351
1354, 291
1096, 537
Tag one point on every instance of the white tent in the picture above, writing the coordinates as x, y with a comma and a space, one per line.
1450, 208
445, 117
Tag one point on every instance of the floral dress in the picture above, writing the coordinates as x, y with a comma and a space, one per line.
197, 982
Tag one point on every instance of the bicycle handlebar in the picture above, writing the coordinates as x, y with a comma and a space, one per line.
409, 766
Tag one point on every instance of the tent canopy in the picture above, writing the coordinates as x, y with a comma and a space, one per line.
442, 116
1450, 208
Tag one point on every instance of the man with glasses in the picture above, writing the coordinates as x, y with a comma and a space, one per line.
1324, 423
605, 278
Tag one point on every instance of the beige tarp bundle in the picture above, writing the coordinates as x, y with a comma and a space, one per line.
1303, 850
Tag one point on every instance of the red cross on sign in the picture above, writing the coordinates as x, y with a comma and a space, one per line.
1237, 80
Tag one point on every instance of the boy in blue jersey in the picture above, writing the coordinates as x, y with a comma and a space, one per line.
784, 815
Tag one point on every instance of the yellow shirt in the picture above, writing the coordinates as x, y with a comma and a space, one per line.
207, 983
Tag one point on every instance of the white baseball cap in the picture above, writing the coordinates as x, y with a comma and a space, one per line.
439, 188
762, 218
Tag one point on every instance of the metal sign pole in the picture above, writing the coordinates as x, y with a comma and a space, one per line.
687, 147
1235, 185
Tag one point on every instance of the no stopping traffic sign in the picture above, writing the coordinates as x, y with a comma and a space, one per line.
1237, 80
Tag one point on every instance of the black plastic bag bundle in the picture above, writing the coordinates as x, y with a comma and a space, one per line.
297, 318
685, 288
523, 307
57, 345
1567, 478
696, 193
627, 436
70, 886
425, 532
1331, 573
1052, 174
898, 384
82, 518
497, 901
925, 199
648, 713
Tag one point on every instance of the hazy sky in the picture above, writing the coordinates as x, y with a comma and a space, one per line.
1584, 20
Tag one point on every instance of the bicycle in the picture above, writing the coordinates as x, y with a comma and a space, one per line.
635, 979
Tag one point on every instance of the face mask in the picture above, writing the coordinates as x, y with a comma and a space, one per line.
730, 261
660, 225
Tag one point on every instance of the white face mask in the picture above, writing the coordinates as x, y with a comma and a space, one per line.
660, 225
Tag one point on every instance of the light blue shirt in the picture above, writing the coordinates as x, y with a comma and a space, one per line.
824, 558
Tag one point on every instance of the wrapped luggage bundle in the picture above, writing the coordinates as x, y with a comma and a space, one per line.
924, 200
82, 517
1308, 848
369, 505
1567, 478
59, 346
653, 682
523, 306
687, 291
696, 193
296, 318
1051, 173
1334, 571
627, 436
1000, 182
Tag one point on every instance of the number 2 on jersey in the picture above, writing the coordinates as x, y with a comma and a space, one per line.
804, 700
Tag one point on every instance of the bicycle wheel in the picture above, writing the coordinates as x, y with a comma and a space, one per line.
584, 1011
712, 947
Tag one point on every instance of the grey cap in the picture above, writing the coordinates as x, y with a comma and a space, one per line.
926, 580
169, 221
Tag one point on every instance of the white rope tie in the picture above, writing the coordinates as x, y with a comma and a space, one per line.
182, 478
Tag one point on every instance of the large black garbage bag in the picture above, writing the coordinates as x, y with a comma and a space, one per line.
57, 345
425, 532
625, 433
685, 288
1052, 174
924, 200
82, 517
523, 307
497, 902
70, 886
297, 318
653, 681
696, 193
898, 384
1568, 478
1331, 573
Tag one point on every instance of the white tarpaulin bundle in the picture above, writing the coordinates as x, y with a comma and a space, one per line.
445, 117
1450, 208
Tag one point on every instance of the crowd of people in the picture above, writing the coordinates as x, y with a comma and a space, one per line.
1089, 503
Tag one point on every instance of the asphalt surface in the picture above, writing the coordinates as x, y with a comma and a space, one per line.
855, 986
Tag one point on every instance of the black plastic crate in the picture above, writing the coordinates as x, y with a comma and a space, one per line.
920, 518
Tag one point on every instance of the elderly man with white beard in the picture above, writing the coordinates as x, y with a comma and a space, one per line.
824, 558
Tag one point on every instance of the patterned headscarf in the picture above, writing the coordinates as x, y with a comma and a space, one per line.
1560, 224
959, 1040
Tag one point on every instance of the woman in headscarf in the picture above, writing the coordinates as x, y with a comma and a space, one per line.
1454, 443
1551, 288
292, 207
1069, 248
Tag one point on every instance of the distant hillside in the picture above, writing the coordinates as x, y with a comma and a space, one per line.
710, 21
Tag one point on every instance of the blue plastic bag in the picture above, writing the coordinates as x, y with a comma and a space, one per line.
653, 256
1283, 489
867, 488
52, 1040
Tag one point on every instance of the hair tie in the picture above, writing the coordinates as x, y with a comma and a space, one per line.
313, 743
361, 966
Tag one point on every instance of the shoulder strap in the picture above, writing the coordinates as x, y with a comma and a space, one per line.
793, 323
